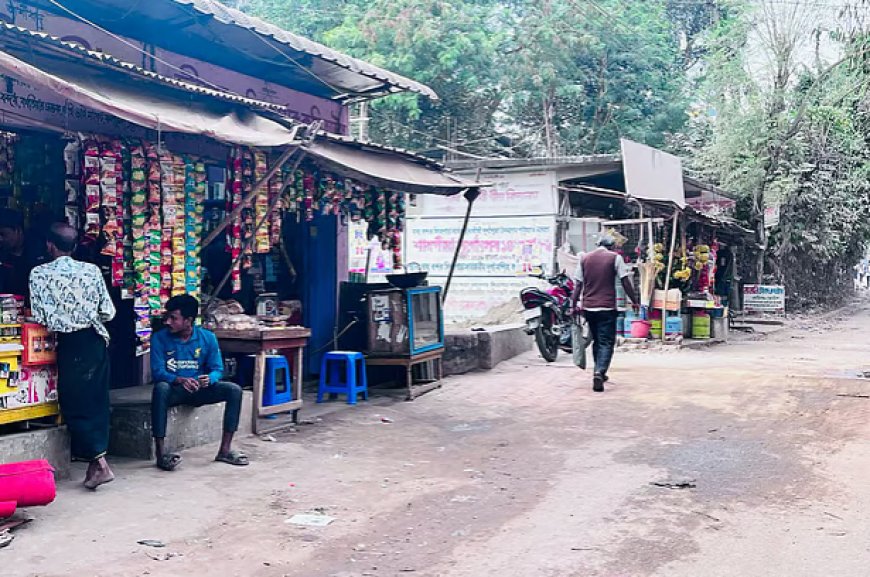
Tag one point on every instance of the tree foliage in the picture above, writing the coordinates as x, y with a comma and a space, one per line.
518, 77
795, 138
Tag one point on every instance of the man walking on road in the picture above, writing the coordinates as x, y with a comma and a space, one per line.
71, 299
595, 279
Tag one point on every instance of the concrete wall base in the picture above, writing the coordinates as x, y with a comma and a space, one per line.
467, 350
51, 444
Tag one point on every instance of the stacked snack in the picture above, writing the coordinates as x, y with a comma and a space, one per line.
195, 190
111, 188
139, 231
261, 205
234, 199
248, 210
276, 186
127, 207
91, 183
178, 242
153, 229
73, 183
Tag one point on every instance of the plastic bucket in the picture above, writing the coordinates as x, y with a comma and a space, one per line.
630, 317
656, 328
640, 329
701, 326
673, 325
29, 483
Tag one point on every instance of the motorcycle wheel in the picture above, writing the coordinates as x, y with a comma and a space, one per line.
548, 344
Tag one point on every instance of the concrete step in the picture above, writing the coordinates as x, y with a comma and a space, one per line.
51, 444
130, 431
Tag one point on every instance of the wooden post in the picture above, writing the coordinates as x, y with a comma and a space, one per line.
668, 275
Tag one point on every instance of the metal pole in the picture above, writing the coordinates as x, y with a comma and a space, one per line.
668, 275
470, 195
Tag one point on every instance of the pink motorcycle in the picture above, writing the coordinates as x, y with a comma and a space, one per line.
548, 314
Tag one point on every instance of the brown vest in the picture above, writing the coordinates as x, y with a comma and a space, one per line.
599, 280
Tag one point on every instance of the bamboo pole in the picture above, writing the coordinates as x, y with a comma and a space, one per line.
668, 275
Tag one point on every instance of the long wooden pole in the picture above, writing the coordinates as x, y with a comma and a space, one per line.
668, 275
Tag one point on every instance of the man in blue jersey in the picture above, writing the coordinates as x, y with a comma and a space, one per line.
187, 367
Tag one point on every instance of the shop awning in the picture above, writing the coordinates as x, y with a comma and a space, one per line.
60, 73
156, 107
377, 166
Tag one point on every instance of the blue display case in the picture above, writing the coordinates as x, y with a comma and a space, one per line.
405, 322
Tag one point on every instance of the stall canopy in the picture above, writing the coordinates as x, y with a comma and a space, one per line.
215, 33
376, 164
57, 72
165, 108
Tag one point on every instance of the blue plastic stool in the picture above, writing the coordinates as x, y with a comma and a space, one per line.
277, 383
343, 372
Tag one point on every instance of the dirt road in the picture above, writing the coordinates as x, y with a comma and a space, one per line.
747, 459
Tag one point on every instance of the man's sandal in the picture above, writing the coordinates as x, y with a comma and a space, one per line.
233, 458
169, 461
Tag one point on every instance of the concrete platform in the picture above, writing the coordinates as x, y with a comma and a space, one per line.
51, 444
130, 430
470, 350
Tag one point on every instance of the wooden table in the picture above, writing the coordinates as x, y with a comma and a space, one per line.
257, 342
408, 363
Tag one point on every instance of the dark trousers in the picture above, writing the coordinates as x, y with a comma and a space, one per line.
602, 326
165, 396
83, 391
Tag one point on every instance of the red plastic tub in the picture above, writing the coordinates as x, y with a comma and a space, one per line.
29, 483
7, 509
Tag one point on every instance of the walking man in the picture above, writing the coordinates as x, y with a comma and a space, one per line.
595, 279
71, 299
187, 369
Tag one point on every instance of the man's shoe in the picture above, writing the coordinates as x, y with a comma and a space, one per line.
598, 383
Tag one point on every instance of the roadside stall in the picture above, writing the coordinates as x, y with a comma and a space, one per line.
158, 176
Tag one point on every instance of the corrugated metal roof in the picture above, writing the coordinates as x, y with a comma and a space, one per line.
52, 42
227, 15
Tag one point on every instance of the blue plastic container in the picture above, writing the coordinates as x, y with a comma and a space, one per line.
674, 325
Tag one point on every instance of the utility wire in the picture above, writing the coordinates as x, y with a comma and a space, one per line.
132, 45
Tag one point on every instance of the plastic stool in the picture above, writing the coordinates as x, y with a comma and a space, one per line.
277, 381
343, 372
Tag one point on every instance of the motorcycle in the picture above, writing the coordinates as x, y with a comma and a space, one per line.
548, 314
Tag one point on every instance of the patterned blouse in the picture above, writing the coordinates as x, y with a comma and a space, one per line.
67, 295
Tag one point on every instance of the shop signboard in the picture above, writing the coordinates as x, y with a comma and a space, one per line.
381, 261
652, 174
512, 194
494, 263
301, 106
764, 299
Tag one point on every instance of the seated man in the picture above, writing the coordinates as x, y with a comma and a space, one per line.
187, 367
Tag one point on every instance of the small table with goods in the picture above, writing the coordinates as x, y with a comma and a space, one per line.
289, 341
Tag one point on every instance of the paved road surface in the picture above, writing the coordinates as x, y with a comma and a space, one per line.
521, 472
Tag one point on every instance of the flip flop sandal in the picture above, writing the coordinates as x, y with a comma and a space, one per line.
233, 458
169, 461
